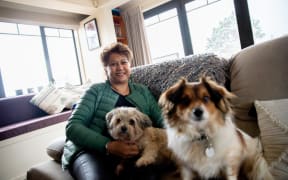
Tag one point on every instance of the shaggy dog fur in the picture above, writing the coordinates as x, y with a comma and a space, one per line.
203, 136
131, 125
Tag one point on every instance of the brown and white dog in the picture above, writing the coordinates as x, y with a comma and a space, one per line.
130, 125
203, 136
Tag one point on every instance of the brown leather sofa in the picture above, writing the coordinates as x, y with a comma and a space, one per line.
256, 74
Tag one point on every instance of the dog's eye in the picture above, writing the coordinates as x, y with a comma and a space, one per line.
206, 99
185, 101
132, 122
118, 121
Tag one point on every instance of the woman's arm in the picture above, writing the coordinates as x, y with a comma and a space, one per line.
77, 129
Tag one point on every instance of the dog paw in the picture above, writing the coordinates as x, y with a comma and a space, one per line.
119, 169
144, 161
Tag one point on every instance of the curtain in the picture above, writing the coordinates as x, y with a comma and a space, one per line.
137, 41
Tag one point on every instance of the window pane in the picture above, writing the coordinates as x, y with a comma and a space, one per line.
10, 28
65, 33
63, 60
23, 67
164, 43
168, 14
29, 29
195, 4
213, 28
23, 64
51, 32
151, 20
269, 19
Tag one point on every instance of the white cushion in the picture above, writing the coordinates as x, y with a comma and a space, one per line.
53, 100
273, 125
49, 99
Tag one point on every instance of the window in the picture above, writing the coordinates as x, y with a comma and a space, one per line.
213, 27
62, 55
31, 57
164, 44
218, 26
268, 19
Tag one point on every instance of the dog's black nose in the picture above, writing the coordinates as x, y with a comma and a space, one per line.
198, 112
123, 128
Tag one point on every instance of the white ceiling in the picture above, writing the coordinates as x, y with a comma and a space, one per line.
78, 7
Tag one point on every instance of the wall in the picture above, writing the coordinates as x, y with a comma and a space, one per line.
92, 64
21, 152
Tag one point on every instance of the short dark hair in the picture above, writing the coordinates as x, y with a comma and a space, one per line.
118, 48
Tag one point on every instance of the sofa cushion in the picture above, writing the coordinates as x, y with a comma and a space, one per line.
49, 99
72, 93
158, 77
273, 124
20, 104
53, 100
258, 72
55, 148
32, 124
50, 170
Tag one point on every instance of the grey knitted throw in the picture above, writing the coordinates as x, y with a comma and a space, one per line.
158, 77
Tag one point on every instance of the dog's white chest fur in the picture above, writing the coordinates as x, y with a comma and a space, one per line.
192, 153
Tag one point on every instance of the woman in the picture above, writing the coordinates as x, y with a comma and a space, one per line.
89, 152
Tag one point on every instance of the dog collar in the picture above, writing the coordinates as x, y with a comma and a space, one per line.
201, 138
209, 150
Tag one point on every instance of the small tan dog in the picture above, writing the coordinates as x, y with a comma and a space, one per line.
203, 136
131, 125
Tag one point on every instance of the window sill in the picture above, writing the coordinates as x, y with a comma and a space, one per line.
33, 124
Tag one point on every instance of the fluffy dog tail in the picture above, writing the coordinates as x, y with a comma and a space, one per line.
256, 166
260, 170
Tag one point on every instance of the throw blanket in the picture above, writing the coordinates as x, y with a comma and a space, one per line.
158, 77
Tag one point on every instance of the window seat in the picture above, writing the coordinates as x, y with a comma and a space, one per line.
19, 116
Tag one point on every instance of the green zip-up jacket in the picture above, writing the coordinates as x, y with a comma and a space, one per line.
86, 128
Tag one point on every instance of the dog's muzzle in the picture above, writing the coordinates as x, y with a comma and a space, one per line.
198, 113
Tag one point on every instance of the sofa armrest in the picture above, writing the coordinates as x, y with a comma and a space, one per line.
55, 148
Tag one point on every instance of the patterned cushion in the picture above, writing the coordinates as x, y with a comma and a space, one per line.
53, 100
73, 93
273, 124
158, 77
49, 99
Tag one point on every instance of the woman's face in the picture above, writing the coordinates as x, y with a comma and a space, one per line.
118, 69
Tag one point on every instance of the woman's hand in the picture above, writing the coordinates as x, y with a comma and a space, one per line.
122, 149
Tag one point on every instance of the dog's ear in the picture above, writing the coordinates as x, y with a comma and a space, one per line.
176, 91
171, 97
144, 120
219, 94
173, 94
108, 117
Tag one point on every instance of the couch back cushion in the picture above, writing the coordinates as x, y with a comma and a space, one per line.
158, 77
258, 72
18, 109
